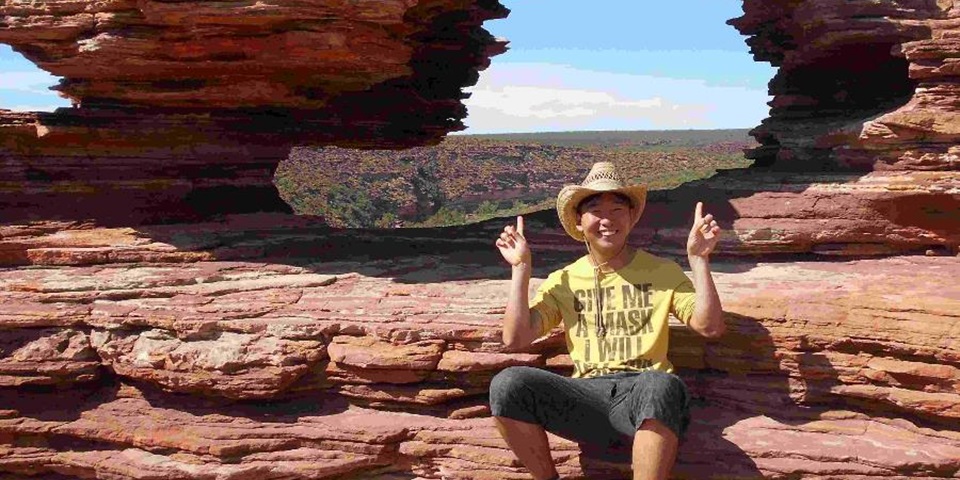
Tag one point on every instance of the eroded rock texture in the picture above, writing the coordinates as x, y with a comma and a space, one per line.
268, 346
859, 154
368, 355
186, 108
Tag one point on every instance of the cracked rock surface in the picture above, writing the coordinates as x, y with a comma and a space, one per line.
366, 364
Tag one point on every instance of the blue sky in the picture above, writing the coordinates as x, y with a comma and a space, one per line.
23, 86
619, 65
575, 65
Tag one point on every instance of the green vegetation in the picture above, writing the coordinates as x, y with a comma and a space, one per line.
662, 138
352, 206
468, 179
444, 217
486, 209
666, 180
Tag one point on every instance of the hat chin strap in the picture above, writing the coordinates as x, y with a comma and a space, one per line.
597, 296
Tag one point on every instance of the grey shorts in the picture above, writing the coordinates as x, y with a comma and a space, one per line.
601, 411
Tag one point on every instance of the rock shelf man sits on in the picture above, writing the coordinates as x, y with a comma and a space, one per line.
613, 304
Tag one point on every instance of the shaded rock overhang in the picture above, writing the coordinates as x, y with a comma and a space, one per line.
180, 105
860, 86
859, 155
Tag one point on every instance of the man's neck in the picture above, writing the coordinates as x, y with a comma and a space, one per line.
613, 259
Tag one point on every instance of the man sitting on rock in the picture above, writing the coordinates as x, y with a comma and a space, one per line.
613, 304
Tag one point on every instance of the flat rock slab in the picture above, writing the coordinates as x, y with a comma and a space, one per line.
362, 367
147, 431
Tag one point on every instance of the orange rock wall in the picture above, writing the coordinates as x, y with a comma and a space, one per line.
859, 153
183, 110
313, 354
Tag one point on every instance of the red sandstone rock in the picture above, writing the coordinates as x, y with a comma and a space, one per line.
240, 440
857, 343
183, 112
828, 369
365, 352
837, 214
45, 357
463, 361
864, 90
232, 364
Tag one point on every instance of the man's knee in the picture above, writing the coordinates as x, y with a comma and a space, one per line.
661, 397
506, 385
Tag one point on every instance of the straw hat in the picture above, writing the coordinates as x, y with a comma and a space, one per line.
603, 177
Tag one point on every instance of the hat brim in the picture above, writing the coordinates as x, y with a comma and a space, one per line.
571, 196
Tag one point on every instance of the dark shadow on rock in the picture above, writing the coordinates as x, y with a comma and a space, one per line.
285, 408
937, 213
734, 378
47, 403
468, 253
406, 255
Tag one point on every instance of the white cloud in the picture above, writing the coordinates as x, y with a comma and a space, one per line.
33, 82
546, 106
22, 91
524, 97
32, 108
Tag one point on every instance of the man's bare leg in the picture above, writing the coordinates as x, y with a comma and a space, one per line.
654, 451
529, 443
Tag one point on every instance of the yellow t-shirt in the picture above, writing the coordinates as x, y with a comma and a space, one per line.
636, 302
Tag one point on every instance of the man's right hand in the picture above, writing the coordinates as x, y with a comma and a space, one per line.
513, 245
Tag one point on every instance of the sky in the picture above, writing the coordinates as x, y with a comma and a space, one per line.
619, 65
23, 86
574, 65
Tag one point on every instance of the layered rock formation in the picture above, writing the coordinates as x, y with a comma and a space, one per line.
859, 153
271, 346
832, 214
343, 357
185, 109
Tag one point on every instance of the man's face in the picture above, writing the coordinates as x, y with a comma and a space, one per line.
605, 221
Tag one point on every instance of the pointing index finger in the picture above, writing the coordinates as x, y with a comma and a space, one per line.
520, 225
698, 212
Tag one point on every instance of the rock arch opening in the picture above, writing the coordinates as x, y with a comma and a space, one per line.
24, 87
626, 93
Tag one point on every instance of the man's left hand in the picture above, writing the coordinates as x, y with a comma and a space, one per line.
704, 234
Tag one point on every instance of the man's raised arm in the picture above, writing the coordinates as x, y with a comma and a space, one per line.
521, 325
707, 319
